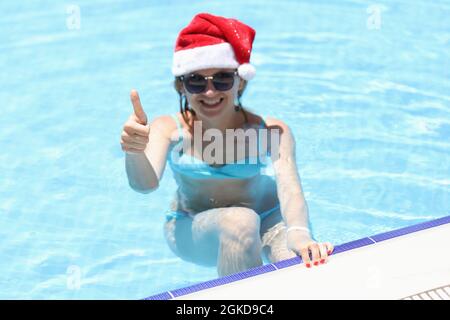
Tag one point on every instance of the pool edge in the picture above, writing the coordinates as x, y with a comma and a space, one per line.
297, 260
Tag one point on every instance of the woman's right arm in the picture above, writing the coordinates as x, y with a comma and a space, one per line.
146, 149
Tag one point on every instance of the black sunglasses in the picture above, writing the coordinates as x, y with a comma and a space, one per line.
196, 83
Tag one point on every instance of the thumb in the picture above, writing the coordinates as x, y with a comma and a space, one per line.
138, 110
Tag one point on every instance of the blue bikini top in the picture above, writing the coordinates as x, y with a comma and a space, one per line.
195, 168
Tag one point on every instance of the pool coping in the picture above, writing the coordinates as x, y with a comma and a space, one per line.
168, 295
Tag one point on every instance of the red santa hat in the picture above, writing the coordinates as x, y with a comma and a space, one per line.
214, 42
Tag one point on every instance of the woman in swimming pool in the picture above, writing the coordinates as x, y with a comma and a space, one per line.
228, 214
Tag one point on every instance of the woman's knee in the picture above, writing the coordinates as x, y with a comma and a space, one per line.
242, 225
239, 219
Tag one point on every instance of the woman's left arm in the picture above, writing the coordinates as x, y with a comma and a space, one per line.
290, 194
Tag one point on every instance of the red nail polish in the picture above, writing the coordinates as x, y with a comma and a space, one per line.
322, 261
316, 263
308, 265
329, 252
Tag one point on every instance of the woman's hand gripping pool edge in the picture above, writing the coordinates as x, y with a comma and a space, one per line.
302, 244
293, 204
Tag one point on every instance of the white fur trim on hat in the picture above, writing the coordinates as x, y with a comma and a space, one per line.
214, 56
246, 71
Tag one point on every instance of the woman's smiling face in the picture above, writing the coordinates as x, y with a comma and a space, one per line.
212, 102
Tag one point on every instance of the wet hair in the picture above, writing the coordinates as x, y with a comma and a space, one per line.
185, 110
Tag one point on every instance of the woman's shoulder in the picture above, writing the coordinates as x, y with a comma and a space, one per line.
272, 122
166, 124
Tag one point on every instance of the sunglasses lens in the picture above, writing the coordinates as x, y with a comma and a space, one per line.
223, 81
195, 83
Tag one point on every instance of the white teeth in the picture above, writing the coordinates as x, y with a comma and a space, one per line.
212, 102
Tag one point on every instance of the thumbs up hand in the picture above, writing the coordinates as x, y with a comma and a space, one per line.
134, 138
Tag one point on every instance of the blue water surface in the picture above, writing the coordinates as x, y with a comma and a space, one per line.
363, 85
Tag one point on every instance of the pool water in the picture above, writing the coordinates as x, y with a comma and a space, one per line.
365, 90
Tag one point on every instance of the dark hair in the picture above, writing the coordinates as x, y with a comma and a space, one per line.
184, 105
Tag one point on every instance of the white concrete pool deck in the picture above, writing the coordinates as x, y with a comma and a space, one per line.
390, 269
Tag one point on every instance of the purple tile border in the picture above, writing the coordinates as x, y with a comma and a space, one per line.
340, 248
410, 229
288, 263
297, 260
224, 280
160, 296
353, 245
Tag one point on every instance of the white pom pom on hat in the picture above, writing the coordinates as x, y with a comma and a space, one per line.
214, 42
246, 71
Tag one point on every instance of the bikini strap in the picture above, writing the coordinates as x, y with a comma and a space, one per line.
263, 121
261, 126
177, 121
